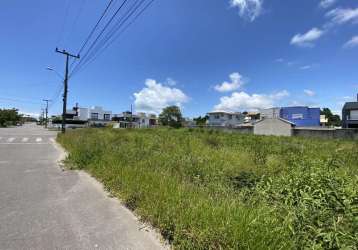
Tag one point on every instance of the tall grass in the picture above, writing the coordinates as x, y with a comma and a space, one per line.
209, 190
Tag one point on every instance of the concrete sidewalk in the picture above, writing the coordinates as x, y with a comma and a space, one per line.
43, 207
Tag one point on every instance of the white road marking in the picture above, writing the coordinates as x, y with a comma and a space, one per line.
52, 140
11, 139
38, 139
25, 139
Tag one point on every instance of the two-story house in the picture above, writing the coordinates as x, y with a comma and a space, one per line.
350, 115
225, 119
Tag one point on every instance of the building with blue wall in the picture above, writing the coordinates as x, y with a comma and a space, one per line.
301, 116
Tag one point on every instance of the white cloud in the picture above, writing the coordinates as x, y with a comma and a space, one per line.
156, 96
248, 9
340, 16
280, 60
31, 114
244, 101
235, 84
171, 82
327, 3
309, 92
306, 67
307, 39
351, 43
309, 66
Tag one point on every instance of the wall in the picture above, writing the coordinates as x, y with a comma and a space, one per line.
350, 134
273, 127
270, 113
310, 116
242, 130
224, 119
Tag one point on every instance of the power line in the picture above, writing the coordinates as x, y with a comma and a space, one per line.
100, 34
19, 100
114, 29
61, 34
79, 13
107, 41
56, 95
96, 26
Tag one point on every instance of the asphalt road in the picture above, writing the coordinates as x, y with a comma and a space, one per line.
43, 207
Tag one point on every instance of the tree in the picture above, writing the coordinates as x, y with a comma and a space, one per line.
333, 120
201, 121
171, 116
9, 117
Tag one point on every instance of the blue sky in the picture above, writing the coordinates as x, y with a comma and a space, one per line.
203, 55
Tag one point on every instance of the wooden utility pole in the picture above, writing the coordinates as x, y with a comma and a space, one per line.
68, 55
46, 111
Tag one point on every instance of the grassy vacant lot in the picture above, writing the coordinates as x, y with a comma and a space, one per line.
209, 190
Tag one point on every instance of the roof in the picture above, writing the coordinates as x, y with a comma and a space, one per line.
351, 105
224, 112
280, 119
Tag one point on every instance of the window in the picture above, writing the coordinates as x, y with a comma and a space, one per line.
217, 117
143, 121
297, 116
354, 115
94, 116
230, 117
107, 117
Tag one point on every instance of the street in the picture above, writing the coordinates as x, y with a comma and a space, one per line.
43, 207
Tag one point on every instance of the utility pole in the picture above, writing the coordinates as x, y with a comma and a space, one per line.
46, 111
42, 116
65, 81
131, 123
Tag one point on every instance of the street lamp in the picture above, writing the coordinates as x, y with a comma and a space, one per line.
58, 74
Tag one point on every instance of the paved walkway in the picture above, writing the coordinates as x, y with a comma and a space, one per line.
43, 207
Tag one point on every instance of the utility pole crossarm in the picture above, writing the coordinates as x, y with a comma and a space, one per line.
67, 53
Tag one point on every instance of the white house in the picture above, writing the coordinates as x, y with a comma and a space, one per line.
270, 113
225, 119
139, 120
94, 114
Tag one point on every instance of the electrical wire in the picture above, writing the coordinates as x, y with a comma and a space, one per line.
94, 28
108, 40
100, 34
61, 34
114, 29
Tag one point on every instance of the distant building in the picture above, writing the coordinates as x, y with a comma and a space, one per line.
270, 113
301, 116
93, 116
323, 120
350, 115
274, 126
251, 117
140, 120
225, 119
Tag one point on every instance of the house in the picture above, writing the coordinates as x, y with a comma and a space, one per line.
225, 119
93, 116
323, 120
301, 116
140, 120
273, 126
251, 117
270, 113
350, 115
